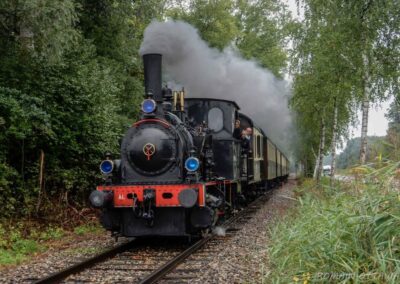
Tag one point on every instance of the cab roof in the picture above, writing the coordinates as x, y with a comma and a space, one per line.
209, 99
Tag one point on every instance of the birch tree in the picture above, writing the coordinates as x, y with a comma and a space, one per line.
375, 32
352, 48
319, 48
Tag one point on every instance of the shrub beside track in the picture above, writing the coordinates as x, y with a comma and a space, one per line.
347, 233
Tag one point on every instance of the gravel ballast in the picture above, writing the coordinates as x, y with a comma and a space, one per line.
57, 258
243, 258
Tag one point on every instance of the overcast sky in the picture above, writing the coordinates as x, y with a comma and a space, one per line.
378, 123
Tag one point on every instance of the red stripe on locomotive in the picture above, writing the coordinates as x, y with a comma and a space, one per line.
166, 194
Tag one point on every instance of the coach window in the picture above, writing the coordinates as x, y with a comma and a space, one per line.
215, 119
258, 147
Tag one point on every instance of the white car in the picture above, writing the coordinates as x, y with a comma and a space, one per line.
326, 170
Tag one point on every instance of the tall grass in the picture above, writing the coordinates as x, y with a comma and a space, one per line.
346, 234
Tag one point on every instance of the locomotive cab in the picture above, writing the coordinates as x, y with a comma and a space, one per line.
219, 116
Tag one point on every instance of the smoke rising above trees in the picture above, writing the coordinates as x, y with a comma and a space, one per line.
209, 73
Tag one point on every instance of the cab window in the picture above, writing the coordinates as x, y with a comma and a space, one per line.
215, 119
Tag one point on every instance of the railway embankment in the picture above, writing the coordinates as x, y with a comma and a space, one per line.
348, 233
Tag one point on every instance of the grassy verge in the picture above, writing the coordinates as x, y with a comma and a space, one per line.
346, 234
23, 239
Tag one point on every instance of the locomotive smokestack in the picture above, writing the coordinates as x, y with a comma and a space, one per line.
152, 75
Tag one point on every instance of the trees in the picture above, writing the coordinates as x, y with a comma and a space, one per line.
264, 32
70, 79
377, 24
69, 114
323, 83
215, 20
43, 28
343, 46
115, 28
258, 29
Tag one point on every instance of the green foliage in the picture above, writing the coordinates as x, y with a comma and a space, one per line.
70, 82
87, 228
44, 28
19, 240
70, 114
347, 233
21, 119
214, 19
18, 253
14, 248
265, 27
116, 30
9, 179
52, 233
258, 29
323, 80
340, 49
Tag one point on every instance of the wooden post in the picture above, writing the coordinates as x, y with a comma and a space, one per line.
41, 165
41, 178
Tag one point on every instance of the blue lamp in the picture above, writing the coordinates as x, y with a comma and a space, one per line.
149, 106
106, 167
192, 164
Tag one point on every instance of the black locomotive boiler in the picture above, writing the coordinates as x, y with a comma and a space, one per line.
180, 169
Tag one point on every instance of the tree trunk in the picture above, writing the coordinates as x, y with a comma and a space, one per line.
334, 141
365, 109
316, 162
320, 156
316, 169
321, 150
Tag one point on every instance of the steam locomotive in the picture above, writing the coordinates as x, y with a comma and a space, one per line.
181, 170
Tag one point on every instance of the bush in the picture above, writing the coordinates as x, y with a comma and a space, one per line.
8, 178
347, 234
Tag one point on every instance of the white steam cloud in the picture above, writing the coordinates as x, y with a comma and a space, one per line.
208, 73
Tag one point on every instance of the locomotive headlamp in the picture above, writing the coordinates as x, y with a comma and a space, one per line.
100, 199
106, 167
188, 197
149, 106
192, 164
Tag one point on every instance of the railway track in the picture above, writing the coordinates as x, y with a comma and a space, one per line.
139, 261
188, 264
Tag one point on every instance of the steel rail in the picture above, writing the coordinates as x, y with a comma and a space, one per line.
78, 267
170, 265
162, 271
